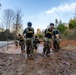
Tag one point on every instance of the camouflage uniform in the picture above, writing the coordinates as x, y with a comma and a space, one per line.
22, 43
47, 41
29, 46
29, 33
56, 39
36, 41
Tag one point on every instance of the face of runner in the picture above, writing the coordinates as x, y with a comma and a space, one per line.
51, 26
29, 26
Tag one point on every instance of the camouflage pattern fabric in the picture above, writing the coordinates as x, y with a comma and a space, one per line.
29, 46
47, 45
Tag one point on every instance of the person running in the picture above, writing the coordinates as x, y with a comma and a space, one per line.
21, 43
56, 39
47, 40
28, 33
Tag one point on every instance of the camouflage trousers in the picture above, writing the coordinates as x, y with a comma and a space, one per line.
22, 44
35, 46
47, 45
56, 43
29, 46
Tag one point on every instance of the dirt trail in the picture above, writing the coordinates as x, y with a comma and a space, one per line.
62, 63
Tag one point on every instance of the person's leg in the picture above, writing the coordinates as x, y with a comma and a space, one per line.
35, 46
55, 44
58, 47
24, 46
58, 43
31, 47
27, 48
44, 49
21, 47
48, 47
59, 40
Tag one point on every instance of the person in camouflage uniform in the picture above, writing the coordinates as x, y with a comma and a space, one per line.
29, 35
21, 43
47, 40
51, 35
36, 42
56, 40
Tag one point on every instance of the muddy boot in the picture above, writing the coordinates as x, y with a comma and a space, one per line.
31, 57
48, 55
48, 52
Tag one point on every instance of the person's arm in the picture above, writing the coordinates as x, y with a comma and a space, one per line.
24, 33
33, 32
44, 33
57, 34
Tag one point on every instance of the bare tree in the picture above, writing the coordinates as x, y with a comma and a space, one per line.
8, 19
1, 28
18, 21
11, 17
0, 4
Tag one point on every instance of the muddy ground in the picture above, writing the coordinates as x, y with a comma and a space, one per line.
59, 63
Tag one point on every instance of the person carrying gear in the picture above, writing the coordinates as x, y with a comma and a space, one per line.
29, 35
56, 40
47, 40
36, 42
21, 43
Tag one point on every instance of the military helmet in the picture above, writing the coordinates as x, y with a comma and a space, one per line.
29, 24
